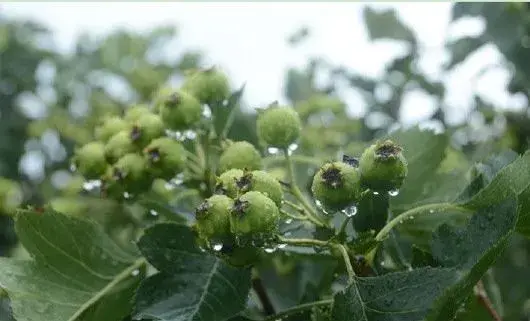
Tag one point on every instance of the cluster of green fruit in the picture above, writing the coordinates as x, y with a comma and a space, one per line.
132, 150
381, 168
242, 219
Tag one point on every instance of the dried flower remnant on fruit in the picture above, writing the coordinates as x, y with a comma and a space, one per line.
352, 161
213, 218
136, 133
244, 182
166, 157
239, 207
178, 109
202, 210
387, 150
332, 177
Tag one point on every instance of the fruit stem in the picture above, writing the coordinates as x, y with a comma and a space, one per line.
347, 262
296, 191
295, 217
428, 209
303, 242
296, 158
298, 309
305, 216
342, 230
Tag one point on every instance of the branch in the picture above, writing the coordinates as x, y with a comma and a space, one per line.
485, 301
298, 309
266, 303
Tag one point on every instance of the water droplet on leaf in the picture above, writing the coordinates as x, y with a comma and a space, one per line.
350, 211
153, 212
393, 192
135, 272
288, 221
375, 193
217, 247
273, 150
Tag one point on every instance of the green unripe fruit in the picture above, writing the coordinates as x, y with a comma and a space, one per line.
11, 196
255, 218
336, 186
240, 155
227, 182
90, 160
279, 126
209, 86
110, 127
130, 172
119, 145
383, 166
166, 157
236, 182
133, 113
179, 109
213, 218
146, 128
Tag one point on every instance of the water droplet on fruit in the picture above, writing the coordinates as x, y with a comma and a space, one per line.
288, 221
190, 134
321, 207
393, 192
135, 272
273, 150
375, 193
91, 184
206, 111
153, 212
349, 211
217, 247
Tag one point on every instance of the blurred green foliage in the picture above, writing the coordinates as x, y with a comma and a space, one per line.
50, 102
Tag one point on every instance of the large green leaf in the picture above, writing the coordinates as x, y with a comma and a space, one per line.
386, 25
399, 296
512, 179
77, 271
472, 251
372, 212
191, 285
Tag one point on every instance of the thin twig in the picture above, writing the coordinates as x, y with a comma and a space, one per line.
298, 309
347, 262
485, 301
266, 303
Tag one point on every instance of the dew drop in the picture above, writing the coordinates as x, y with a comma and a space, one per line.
217, 247
126, 195
190, 134
393, 192
375, 193
202, 249
431, 211
287, 234
135, 272
288, 221
350, 211
153, 212
321, 207
73, 168
382, 263
292, 148
411, 217
270, 249
273, 150
169, 186
282, 246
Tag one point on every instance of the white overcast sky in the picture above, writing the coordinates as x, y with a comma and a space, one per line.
249, 41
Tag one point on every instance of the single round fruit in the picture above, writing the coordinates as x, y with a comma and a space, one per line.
146, 128
383, 167
336, 186
130, 172
227, 182
240, 155
279, 126
11, 196
166, 157
110, 127
213, 219
209, 86
254, 218
119, 145
320, 103
90, 160
133, 113
179, 109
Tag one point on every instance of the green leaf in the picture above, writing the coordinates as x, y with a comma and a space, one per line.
399, 296
512, 179
191, 284
386, 25
77, 271
463, 9
424, 151
223, 115
472, 251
